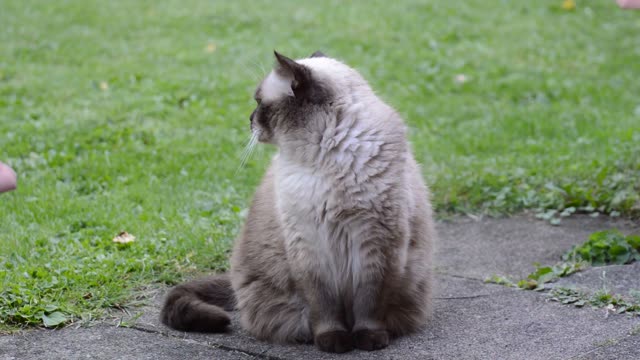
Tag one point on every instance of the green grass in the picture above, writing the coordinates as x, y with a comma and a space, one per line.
117, 117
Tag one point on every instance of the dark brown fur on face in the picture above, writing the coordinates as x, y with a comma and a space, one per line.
337, 244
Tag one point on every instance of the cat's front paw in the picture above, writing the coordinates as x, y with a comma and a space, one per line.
334, 341
370, 340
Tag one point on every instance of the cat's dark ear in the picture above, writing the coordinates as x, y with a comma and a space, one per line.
300, 74
318, 54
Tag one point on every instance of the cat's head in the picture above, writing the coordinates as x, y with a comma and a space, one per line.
296, 93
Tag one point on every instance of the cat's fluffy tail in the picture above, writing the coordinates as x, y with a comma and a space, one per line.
200, 305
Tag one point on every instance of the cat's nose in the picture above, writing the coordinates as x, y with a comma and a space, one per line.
252, 115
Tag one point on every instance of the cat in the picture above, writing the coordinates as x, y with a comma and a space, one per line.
337, 244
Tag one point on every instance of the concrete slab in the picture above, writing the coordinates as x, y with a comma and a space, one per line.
617, 279
626, 348
107, 342
472, 320
510, 246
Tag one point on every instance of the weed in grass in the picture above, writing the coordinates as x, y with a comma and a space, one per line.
602, 248
601, 299
500, 280
542, 275
605, 248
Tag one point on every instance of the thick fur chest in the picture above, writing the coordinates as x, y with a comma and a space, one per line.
316, 215
311, 197
303, 195
329, 218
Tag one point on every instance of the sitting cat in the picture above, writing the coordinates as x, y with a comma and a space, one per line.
337, 244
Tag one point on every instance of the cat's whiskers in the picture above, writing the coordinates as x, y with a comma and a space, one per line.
248, 149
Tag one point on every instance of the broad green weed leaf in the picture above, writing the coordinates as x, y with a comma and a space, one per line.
619, 254
634, 241
54, 319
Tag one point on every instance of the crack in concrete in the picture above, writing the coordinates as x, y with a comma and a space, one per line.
462, 297
460, 276
209, 344
606, 344
582, 355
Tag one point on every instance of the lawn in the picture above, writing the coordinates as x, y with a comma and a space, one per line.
132, 115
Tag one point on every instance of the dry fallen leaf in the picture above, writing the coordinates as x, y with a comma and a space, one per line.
568, 4
104, 86
211, 47
124, 238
